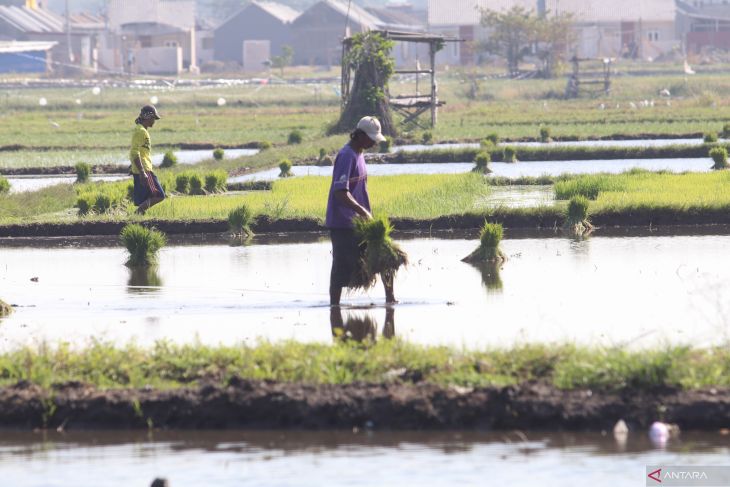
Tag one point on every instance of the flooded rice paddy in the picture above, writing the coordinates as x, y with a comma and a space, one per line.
567, 143
635, 291
31, 158
502, 169
23, 184
305, 459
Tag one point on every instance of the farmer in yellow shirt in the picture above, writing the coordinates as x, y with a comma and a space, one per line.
147, 188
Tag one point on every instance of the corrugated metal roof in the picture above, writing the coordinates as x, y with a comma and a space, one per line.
467, 12
23, 46
282, 12
357, 14
28, 20
616, 10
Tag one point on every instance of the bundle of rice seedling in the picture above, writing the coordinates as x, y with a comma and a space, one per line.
240, 220
576, 218
5, 308
142, 243
83, 170
488, 250
285, 168
719, 157
169, 159
381, 255
481, 163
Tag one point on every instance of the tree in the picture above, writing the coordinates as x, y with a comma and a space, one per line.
519, 32
512, 34
285, 59
369, 57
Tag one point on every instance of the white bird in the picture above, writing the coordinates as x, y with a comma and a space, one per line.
54, 124
665, 92
633, 105
602, 106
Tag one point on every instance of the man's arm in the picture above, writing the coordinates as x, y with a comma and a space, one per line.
344, 197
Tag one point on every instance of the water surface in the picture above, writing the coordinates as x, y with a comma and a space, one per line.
570, 143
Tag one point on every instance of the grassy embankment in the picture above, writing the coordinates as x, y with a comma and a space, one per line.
166, 365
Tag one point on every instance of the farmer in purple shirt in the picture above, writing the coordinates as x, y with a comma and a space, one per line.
348, 198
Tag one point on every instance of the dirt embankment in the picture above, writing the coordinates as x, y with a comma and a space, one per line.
257, 405
113, 169
550, 218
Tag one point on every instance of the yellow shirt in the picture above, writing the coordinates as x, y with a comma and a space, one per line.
141, 148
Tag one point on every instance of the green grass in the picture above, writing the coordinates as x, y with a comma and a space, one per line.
42, 205
167, 365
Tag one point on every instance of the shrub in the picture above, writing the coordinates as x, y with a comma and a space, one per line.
240, 220
285, 168
481, 162
265, 145
545, 134
493, 138
386, 145
710, 138
182, 183
427, 138
142, 243
295, 137
216, 181
196, 184
219, 154
489, 239
83, 170
719, 156
169, 159
509, 154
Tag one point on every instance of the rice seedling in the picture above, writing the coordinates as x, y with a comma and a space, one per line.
142, 244
83, 170
196, 185
182, 183
219, 154
265, 145
589, 186
576, 217
725, 131
4, 185
381, 254
488, 251
169, 160
486, 145
545, 135
427, 137
710, 138
322, 154
295, 137
493, 138
103, 203
216, 182
719, 157
5, 308
385, 146
240, 221
481, 163
509, 154
285, 166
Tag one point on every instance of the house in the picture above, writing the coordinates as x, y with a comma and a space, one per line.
254, 34
40, 25
642, 29
150, 37
318, 32
25, 56
704, 24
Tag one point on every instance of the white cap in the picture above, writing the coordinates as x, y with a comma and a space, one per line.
371, 127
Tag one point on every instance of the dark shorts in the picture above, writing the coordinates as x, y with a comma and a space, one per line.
142, 191
346, 252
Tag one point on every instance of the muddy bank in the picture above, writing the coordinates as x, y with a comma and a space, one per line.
565, 138
267, 405
181, 146
540, 218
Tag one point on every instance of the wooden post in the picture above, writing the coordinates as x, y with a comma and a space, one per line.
345, 77
434, 96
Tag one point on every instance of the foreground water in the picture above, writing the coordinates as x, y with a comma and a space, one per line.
632, 291
379, 459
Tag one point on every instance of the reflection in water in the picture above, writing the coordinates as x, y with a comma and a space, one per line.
491, 278
144, 280
361, 326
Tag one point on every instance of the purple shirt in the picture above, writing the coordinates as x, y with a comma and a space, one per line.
350, 174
